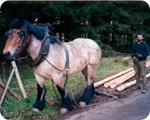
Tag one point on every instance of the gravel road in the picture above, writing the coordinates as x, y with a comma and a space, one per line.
134, 107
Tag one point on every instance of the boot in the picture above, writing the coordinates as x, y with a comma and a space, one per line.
136, 87
144, 85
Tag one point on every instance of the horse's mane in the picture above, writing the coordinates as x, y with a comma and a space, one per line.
37, 30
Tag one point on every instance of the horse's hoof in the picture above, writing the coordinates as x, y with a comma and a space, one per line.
63, 110
82, 104
35, 110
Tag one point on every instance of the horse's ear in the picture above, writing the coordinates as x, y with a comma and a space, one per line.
16, 23
21, 21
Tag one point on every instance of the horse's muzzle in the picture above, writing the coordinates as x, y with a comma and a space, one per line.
10, 57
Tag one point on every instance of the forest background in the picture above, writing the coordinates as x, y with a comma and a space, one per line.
110, 23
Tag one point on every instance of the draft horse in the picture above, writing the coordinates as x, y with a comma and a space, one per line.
52, 59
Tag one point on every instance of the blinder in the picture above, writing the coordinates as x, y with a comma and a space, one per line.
22, 34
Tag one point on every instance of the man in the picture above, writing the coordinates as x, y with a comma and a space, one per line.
139, 53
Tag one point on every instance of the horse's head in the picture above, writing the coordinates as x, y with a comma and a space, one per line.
18, 37
17, 40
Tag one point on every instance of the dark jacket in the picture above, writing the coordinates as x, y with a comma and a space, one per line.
141, 48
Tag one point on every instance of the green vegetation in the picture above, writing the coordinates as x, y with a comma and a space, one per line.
22, 109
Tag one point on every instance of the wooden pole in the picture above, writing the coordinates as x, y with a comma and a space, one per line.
63, 37
7, 85
13, 93
19, 79
14, 70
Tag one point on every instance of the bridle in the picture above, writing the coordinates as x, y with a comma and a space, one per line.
23, 34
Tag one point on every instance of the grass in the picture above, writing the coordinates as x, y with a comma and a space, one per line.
110, 66
22, 110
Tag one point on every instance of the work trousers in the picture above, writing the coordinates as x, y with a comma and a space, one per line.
140, 73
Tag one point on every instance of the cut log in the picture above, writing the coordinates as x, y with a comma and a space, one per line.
122, 79
128, 84
97, 84
125, 78
116, 80
109, 79
125, 85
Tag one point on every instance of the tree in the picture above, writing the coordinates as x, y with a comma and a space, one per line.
114, 23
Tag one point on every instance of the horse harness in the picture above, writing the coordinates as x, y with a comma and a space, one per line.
45, 46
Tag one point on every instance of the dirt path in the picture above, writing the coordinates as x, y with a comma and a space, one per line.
134, 107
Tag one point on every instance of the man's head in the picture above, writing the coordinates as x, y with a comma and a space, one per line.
139, 38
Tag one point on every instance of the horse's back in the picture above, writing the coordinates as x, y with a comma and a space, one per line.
88, 48
87, 43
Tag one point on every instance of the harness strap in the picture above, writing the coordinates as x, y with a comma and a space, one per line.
67, 56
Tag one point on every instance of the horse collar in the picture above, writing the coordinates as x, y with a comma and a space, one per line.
45, 45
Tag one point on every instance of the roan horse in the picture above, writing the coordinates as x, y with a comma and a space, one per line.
53, 60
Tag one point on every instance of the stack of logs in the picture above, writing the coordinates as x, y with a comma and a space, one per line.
120, 81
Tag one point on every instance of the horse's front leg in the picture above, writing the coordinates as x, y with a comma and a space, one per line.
66, 101
41, 91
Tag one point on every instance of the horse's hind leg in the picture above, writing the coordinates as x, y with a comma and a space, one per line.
88, 72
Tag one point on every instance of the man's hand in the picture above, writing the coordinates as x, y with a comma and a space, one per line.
138, 55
